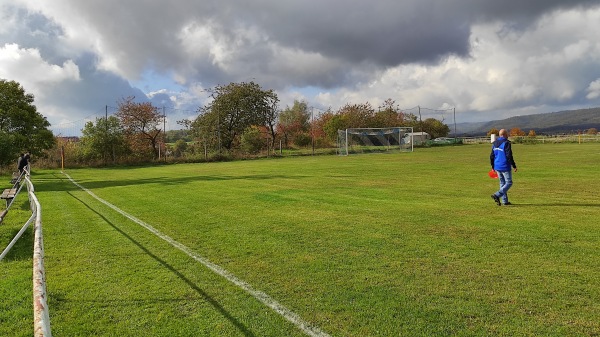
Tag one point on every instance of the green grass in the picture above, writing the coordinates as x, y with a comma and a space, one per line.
407, 244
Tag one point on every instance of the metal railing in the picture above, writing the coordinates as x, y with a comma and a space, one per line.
41, 316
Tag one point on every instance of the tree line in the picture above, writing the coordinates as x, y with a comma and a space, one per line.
240, 119
244, 117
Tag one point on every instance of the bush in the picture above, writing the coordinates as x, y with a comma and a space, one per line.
302, 140
525, 140
252, 141
180, 147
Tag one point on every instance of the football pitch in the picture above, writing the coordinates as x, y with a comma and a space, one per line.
404, 244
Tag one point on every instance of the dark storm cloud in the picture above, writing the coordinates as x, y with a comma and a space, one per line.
344, 45
352, 34
386, 32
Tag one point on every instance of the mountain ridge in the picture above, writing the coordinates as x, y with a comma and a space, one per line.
567, 121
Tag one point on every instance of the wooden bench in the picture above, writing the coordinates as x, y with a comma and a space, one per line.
15, 178
8, 195
2, 215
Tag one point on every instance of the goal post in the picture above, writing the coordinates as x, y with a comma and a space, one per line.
369, 140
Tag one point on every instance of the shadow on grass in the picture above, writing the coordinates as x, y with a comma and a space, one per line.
23, 248
52, 182
191, 284
60, 182
554, 205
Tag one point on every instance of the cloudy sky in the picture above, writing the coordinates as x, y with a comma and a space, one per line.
488, 59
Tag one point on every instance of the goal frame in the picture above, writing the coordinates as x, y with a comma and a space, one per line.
398, 134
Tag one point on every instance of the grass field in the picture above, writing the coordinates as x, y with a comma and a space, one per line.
407, 244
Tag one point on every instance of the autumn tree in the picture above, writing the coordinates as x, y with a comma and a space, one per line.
293, 121
493, 131
364, 116
358, 115
515, 132
234, 108
532, 133
388, 116
317, 128
592, 131
140, 122
22, 127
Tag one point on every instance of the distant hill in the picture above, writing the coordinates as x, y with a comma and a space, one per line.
548, 123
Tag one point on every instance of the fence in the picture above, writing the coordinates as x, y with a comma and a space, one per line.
572, 138
41, 316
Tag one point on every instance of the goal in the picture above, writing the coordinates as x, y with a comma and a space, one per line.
366, 140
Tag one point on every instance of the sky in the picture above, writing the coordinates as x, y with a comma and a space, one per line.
459, 60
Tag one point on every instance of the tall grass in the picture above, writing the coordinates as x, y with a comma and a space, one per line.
407, 244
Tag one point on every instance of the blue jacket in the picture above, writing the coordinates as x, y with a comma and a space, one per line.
501, 157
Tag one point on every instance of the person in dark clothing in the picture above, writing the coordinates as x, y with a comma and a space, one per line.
22, 162
502, 161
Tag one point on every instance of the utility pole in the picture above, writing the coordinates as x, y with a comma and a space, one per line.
165, 131
312, 132
454, 113
420, 119
106, 134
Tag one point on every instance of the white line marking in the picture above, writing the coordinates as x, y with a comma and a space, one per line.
267, 300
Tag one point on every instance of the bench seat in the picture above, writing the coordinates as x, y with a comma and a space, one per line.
2, 215
8, 195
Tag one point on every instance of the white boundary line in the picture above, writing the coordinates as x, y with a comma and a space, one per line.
267, 300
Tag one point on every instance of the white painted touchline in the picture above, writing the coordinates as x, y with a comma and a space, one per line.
259, 295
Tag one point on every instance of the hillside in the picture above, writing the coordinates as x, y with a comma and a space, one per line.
548, 123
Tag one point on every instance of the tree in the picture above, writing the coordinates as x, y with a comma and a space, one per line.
104, 140
435, 128
514, 132
592, 131
22, 127
358, 115
293, 121
333, 124
269, 112
180, 147
493, 131
252, 140
532, 133
140, 122
174, 135
318, 128
389, 116
234, 108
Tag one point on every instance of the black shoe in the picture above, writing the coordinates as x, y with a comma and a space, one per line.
508, 204
496, 199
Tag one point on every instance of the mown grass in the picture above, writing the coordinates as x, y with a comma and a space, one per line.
407, 244
16, 308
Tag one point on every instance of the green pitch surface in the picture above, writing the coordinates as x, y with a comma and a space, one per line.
406, 244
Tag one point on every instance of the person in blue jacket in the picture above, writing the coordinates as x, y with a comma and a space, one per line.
502, 161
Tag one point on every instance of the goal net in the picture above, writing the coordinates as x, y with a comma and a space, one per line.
365, 140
